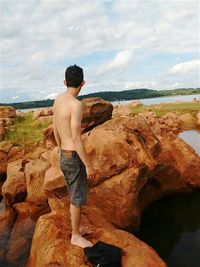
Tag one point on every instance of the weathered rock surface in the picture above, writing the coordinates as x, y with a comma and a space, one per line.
35, 172
95, 111
133, 168
188, 121
14, 188
54, 228
5, 146
198, 119
2, 132
136, 103
122, 111
133, 165
169, 122
7, 112
43, 120
42, 112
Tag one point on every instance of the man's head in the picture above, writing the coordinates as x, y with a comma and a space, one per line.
74, 77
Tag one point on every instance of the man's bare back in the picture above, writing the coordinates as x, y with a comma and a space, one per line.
63, 108
67, 116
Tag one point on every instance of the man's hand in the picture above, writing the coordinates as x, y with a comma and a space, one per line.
90, 172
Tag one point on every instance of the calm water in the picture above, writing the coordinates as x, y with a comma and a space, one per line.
157, 100
171, 225
192, 137
149, 101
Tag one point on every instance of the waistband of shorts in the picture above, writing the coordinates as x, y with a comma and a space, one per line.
72, 153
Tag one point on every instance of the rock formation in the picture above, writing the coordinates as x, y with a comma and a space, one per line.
134, 166
7, 116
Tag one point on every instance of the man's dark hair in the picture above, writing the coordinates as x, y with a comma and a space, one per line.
74, 76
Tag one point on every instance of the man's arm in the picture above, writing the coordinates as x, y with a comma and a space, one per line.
55, 132
76, 117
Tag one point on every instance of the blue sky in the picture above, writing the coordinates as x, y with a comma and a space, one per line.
120, 45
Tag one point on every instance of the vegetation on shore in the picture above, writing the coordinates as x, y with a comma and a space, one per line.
24, 132
111, 96
178, 108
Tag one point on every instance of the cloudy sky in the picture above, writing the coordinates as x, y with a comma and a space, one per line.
120, 45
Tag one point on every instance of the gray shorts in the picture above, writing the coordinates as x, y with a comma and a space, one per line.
75, 176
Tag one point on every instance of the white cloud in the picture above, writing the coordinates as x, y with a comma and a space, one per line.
51, 95
122, 58
40, 38
186, 67
14, 97
139, 84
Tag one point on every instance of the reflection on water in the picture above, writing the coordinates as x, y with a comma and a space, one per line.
192, 137
171, 226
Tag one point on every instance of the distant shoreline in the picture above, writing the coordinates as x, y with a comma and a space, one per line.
112, 96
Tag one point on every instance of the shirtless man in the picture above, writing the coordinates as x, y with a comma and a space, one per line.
74, 162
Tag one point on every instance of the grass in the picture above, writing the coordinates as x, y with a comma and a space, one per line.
23, 132
162, 109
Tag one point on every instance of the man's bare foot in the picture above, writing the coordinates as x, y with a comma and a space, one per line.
78, 240
85, 230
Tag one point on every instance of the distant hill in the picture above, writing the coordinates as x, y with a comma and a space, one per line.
112, 96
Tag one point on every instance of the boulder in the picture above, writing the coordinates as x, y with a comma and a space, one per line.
7, 112
34, 173
134, 167
122, 111
2, 132
136, 103
43, 120
198, 119
119, 144
48, 137
3, 162
53, 180
42, 112
188, 121
5, 146
14, 188
95, 111
54, 228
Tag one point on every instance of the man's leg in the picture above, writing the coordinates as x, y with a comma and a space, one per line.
76, 238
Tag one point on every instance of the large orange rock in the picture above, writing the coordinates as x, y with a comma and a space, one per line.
35, 172
198, 119
2, 132
42, 112
43, 120
95, 111
5, 146
14, 188
188, 121
119, 144
7, 112
133, 168
54, 228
